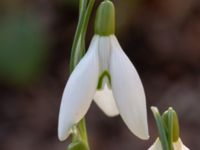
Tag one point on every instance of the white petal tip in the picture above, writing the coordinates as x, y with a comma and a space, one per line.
145, 134
105, 100
63, 135
128, 92
61, 138
142, 135
146, 137
111, 114
79, 91
64, 128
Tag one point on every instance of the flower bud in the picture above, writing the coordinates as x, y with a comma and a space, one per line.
175, 123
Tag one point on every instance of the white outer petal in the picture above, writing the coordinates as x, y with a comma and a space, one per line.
128, 91
104, 49
156, 145
79, 91
179, 145
105, 100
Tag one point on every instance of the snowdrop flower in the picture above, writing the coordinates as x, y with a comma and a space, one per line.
178, 145
106, 75
169, 130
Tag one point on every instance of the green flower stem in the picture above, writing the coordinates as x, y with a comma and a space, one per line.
83, 132
82, 6
78, 46
77, 52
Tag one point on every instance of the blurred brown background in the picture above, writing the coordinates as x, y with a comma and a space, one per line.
162, 38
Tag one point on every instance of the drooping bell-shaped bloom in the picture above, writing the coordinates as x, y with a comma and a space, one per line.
178, 145
106, 75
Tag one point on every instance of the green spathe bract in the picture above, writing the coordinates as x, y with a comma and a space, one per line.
161, 128
168, 127
105, 19
175, 131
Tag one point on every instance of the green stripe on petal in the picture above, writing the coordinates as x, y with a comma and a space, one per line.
104, 75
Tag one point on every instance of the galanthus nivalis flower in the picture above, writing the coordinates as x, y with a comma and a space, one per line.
169, 131
176, 145
106, 75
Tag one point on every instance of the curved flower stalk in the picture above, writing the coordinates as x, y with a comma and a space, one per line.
168, 127
106, 75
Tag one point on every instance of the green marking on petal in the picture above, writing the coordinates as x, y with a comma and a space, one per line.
102, 76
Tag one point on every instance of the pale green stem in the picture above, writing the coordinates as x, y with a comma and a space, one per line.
82, 6
77, 52
83, 131
84, 16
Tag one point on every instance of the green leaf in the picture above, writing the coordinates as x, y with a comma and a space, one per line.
161, 128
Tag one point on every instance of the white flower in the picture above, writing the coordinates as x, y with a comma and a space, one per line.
176, 145
125, 95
